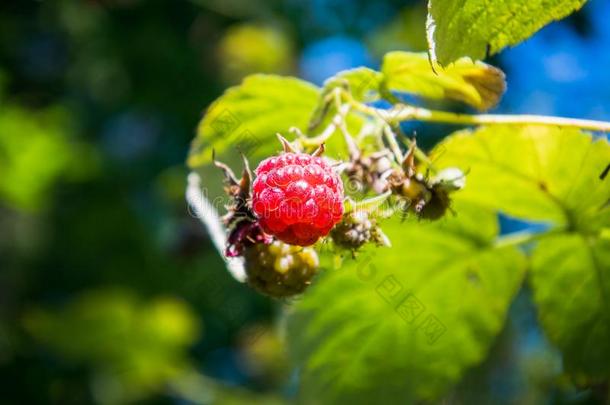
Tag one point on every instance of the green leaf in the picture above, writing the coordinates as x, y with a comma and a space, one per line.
402, 324
570, 276
362, 82
248, 116
476, 28
538, 173
474, 83
554, 175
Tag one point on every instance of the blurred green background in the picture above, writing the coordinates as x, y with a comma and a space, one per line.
110, 292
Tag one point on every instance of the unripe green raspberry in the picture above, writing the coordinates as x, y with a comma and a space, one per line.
356, 229
279, 269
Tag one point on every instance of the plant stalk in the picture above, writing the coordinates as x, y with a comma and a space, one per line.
401, 113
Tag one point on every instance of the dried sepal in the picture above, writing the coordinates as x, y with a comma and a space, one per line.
286, 145
428, 198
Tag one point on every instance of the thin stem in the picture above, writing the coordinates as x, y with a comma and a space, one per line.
406, 112
383, 117
391, 139
329, 130
368, 205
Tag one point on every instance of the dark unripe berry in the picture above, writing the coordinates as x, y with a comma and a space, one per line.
437, 206
298, 198
355, 230
280, 270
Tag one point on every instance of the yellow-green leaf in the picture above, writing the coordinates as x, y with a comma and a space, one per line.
570, 279
247, 117
539, 173
555, 175
402, 324
474, 83
361, 82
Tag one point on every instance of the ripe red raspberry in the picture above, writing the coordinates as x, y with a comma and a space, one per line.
298, 198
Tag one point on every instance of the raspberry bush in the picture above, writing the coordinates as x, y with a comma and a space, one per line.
391, 235
403, 240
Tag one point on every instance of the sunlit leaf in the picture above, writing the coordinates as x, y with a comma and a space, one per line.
475, 28
539, 173
474, 83
247, 117
570, 277
360, 82
405, 322
553, 175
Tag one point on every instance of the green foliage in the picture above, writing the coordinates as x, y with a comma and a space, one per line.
474, 83
397, 325
475, 28
570, 276
250, 48
136, 345
363, 83
540, 173
413, 318
406, 322
553, 175
249, 116
35, 152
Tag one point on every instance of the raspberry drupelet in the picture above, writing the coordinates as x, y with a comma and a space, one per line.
297, 197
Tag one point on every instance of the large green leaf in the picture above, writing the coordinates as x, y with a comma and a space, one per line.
248, 116
475, 28
474, 83
534, 172
554, 175
402, 324
571, 282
